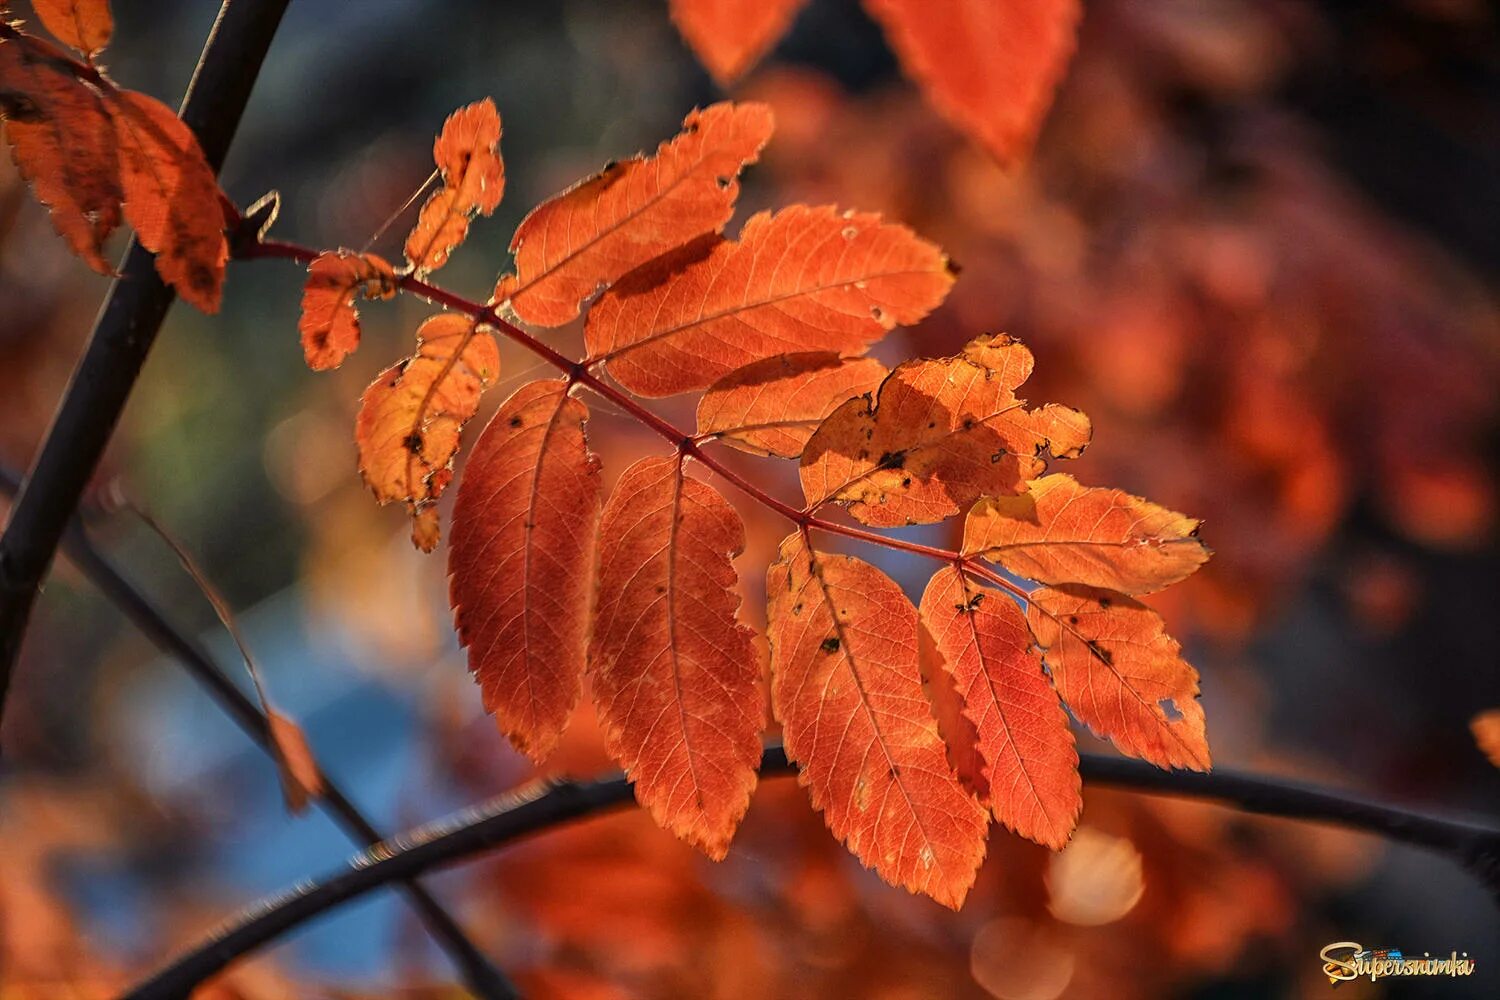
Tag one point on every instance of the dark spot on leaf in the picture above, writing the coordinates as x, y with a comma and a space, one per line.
723, 182
516, 421
831, 644
1104, 603
413, 442
892, 459
1102, 653
1072, 619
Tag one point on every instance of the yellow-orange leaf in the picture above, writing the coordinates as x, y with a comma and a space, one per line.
521, 561
1486, 729
171, 197
730, 36
84, 24
63, 143
467, 153
803, 279
584, 239
772, 407
410, 418
675, 675
330, 320
1030, 763
989, 66
1059, 531
301, 778
1121, 674
939, 435
847, 687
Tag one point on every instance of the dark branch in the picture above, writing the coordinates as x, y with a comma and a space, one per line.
480, 975
123, 333
544, 806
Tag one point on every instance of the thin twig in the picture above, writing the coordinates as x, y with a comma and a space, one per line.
123, 333
544, 807
390, 219
478, 972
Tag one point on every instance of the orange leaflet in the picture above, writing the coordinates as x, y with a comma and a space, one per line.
586, 238
521, 562
1121, 674
301, 778
989, 66
1031, 765
675, 675
802, 279
467, 153
730, 36
1486, 729
171, 196
330, 321
1061, 532
410, 418
63, 143
84, 24
772, 407
847, 687
939, 435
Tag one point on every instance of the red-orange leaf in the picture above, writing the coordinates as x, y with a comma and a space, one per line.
410, 418
301, 778
1061, 532
989, 66
521, 561
63, 143
171, 197
803, 279
586, 238
675, 676
847, 687
730, 36
1486, 729
772, 407
1031, 765
330, 320
84, 24
467, 153
939, 435
1121, 674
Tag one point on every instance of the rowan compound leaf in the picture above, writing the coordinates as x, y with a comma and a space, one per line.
772, 407
804, 279
171, 196
846, 684
730, 36
586, 238
1030, 762
84, 24
939, 435
521, 561
411, 416
467, 153
1059, 531
1121, 674
989, 66
1486, 729
675, 675
63, 144
301, 778
330, 319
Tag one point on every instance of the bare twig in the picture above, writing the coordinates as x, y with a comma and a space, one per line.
122, 335
543, 807
478, 972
